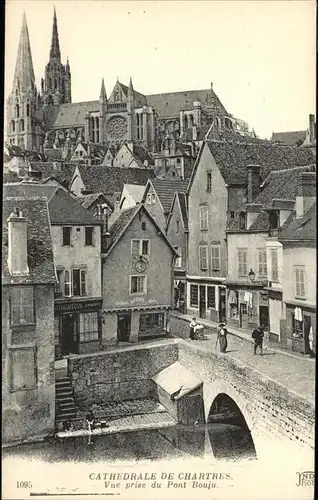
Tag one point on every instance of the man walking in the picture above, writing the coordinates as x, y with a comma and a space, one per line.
258, 336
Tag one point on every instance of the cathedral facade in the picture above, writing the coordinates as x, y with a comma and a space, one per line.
47, 119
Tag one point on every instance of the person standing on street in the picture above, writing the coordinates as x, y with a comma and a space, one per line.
193, 324
222, 337
258, 336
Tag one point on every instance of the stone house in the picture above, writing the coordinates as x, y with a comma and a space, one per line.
298, 239
222, 181
158, 196
28, 280
131, 155
177, 234
89, 154
137, 278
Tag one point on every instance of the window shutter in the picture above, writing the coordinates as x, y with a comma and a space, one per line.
83, 282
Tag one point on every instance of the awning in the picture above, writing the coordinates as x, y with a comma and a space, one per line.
136, 308
177, 378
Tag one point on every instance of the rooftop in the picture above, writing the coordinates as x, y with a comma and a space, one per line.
304, 228
166, 189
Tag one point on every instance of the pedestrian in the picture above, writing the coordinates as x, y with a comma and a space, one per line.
90, 419
258, 336
222, 337
193, 324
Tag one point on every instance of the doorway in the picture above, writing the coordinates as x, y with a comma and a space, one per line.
264, 316
222, 313
123, 327
307, 325
70, 334
202, 302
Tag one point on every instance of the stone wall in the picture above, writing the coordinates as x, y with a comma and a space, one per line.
120, 375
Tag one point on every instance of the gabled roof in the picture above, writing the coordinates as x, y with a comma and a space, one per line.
302, 229
135, 191
72, 114
96, 150
141, 155
87, 200
180, 198
40, 254
112, 179
65, 209
124, 220
13, 150
289, 138
29, 190
165, 190
169, 104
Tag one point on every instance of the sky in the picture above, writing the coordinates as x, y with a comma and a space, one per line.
260, 55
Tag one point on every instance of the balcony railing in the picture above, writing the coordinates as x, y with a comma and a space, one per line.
116, 107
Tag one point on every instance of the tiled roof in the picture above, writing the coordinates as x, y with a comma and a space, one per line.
52, 154
201, 133
13, 150
141, 154
289, 138
87, 200
166, 189
40, 254
169, 104
64, 209
183, 207
112, 179
29, 190
232, 158
304, 228
72, 114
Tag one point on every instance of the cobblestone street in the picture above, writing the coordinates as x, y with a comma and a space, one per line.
295, 372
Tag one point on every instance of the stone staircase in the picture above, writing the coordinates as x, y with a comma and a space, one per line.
64, 400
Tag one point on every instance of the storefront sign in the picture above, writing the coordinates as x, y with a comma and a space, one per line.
65, 307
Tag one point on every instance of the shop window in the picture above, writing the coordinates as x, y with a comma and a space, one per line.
203, 257
211, 297
209, 181
149, 320
178, 259
88, 327
262, 263
22, 306
233, 304
298, 330
23, 368
140, 247
138, 284
215, 257
299, 278
89, 235
66, 235
274, 261
242, 261
203, 217
194, 295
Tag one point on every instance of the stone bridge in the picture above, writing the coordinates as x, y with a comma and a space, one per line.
272, 413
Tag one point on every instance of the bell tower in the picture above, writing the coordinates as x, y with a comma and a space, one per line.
24, 104
56, 85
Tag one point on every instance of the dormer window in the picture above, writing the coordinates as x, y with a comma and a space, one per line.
242, 220
273, 223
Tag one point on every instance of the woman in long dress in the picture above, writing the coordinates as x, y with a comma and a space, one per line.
222, 337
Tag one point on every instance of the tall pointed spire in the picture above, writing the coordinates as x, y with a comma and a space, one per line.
24, 72
55, 52
103, 95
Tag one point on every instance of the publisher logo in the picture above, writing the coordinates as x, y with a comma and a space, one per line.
306, 478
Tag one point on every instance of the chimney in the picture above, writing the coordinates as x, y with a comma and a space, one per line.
211, 85
253, 182
312, 135
306, 194
17, 243
194, 133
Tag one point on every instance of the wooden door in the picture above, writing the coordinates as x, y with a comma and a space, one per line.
123, 327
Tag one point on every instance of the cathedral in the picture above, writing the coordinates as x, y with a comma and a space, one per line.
46, 119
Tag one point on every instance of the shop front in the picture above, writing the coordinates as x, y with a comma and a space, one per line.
77, 324
300, 328
247, 307
207, 299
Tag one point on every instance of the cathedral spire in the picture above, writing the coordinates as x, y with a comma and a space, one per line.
103, 95
24, 72
55, 52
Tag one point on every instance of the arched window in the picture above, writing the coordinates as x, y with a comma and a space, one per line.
92, 138
17, 110
12, 126
117, 96
22, 125
28, 109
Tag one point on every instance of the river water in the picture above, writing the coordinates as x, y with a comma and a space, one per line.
221, 441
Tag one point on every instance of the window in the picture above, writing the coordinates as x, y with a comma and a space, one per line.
21, 306
262, 263
89, 235
143, 226
178, 259
177, 226
88, 327
203, 217
149, 199
194, 295
22, 125
140, 247
242, 261
215, 257
66, 235
274, 260
78, 282
209, 181
28, 109
67, 284
12, 126
59, 285
23, 368
148, 320
17, 111
232, 213
298, 328
242, 220
153, 198
211, 297
300, 291
243, 308
203, 257
138, 284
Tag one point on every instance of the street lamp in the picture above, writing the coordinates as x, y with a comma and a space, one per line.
251, 275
